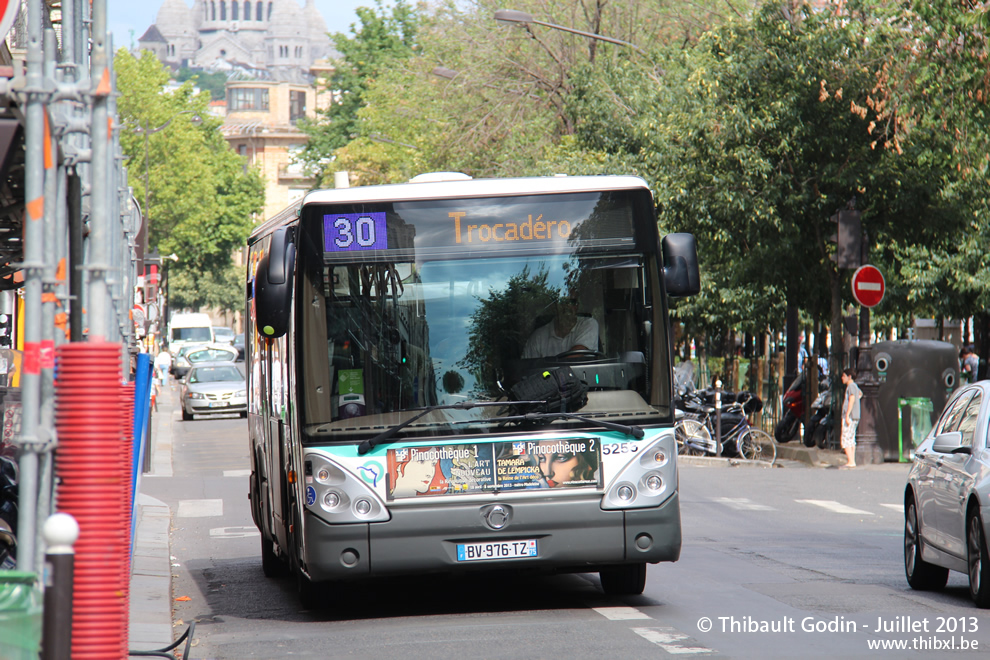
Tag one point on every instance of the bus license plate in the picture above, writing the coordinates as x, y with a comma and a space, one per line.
496, 550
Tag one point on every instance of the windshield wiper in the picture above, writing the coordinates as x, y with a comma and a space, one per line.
634, 431
371, 443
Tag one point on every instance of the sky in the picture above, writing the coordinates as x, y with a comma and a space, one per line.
123, 16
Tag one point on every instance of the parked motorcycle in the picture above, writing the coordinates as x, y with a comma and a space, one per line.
8, 513
820, 424
792, 404
793, 411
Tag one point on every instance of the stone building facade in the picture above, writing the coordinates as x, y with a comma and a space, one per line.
270, 39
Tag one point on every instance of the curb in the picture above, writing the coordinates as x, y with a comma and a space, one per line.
150, 616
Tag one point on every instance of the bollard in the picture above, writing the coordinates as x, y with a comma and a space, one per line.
60, 533
718, 417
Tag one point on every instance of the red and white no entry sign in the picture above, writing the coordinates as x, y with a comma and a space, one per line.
868, 285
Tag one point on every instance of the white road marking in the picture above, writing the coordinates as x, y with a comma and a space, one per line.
621, 613
234, 532
895, 507
200, 508
669, 640
835, 507
742, 504
237, 473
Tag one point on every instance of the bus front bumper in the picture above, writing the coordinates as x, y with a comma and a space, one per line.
570, 535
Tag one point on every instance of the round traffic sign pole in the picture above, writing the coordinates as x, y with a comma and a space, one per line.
868, 286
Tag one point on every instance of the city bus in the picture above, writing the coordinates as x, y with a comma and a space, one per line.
456, 374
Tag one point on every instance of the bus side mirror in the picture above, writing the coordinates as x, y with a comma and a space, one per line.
680, 265
273, 285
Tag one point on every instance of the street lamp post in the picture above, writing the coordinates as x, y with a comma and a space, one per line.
521, 17
147, 131
174, 258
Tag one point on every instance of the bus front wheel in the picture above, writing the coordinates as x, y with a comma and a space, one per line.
625, 580
271, 564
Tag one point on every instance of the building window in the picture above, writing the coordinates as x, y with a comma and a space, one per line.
297, 105
223, 10
247, 10
259, 10
247, 99
213, 11
269, 11
242, 150
234, 7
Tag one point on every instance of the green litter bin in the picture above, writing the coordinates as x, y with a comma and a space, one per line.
20, 616
920, 410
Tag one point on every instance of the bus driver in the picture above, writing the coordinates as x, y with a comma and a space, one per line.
565, 332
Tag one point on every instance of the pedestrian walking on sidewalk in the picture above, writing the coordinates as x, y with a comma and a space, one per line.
850, 416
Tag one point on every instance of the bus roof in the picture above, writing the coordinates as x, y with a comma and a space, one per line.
472, 188
456, 189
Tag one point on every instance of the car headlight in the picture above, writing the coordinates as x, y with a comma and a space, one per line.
195, 395
241, 393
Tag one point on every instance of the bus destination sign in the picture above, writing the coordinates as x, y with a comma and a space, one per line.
349, 232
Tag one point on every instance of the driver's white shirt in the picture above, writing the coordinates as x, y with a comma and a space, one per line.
544, 342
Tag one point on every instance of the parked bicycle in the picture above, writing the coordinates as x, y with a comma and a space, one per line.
695, 429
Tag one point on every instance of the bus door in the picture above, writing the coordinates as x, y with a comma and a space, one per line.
276, 454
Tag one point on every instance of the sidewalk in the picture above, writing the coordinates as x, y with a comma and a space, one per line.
151, 570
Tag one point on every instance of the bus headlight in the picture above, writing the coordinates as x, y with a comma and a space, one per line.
337, 495
646, 481
331, 499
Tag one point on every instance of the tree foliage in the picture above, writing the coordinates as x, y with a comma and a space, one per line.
201, 199
381, 40
754, 123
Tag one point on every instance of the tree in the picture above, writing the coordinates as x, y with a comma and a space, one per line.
755, 136
470, 95
202, 200
380, 42
214, 83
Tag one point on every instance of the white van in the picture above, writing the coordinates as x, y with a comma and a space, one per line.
189, 328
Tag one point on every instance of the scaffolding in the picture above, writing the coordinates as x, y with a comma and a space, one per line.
70, 254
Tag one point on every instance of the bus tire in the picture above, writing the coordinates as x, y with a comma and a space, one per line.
271, 564
310, 593
625, 580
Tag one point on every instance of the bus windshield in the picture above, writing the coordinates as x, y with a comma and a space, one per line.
387, 334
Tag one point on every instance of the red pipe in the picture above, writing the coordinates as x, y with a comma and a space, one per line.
94, 485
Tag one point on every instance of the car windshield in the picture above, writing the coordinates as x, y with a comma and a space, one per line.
191, 334
219, 374
211, 355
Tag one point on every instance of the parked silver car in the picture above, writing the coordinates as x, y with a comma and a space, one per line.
214, 388
198, 353
947, 498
